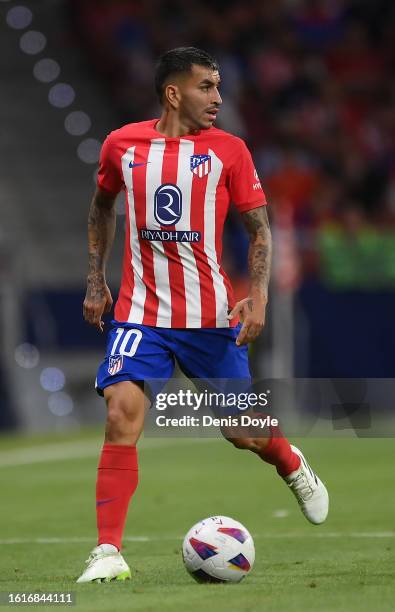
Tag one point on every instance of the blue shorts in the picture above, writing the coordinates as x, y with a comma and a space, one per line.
141, 353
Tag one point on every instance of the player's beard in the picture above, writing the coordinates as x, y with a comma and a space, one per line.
197, 120
205, 122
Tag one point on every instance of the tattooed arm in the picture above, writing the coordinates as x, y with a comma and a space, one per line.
101, 231
252, 308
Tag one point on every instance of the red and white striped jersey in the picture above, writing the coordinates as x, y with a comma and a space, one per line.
178, 192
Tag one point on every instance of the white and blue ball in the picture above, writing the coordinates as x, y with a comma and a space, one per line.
218, 549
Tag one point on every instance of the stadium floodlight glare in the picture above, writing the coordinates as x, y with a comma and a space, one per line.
27, 355
60, 403
89, 150
77, 123
52, 379
32, 42
19, 17
46, 70
61, 95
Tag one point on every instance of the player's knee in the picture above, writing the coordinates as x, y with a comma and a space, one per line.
119, 412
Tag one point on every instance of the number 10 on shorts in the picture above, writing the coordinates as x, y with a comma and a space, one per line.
127, 340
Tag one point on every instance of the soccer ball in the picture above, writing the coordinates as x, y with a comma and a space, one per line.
218, 549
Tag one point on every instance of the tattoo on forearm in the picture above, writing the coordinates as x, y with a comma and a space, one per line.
260, 251
101, 229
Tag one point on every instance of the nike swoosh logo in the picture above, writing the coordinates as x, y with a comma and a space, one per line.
100, 502
132, 165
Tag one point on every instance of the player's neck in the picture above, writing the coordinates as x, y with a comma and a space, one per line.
171, 126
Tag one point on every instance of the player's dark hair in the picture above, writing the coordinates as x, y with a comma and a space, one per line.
177, 61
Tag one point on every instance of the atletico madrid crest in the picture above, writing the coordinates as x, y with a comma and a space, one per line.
115, 364
201, 165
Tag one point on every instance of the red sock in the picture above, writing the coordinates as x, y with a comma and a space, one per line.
278, 452
117, 479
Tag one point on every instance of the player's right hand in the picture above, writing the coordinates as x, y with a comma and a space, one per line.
98, 301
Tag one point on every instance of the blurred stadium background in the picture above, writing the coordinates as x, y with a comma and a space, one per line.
307, 83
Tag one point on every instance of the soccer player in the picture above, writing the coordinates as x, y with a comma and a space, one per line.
179, 174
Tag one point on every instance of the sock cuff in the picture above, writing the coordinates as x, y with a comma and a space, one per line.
118, 457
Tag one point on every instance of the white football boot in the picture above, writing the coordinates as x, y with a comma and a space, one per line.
308, 489
105, 563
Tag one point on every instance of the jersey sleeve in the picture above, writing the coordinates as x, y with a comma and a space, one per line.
109, 175
244, 185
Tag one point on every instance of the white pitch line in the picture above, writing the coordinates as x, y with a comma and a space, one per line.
49, 452
68, 540
76, 540
64, 451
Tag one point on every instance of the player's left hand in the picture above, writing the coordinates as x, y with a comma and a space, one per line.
252, 314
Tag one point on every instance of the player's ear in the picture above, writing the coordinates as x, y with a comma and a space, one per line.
172, 95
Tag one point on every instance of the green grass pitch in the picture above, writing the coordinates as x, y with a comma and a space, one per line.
346, 565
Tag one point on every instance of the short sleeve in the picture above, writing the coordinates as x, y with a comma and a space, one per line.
244, 185
109, 175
